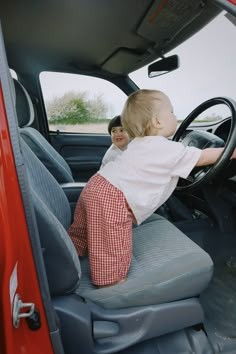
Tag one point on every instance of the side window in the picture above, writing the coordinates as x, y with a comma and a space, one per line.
79, 103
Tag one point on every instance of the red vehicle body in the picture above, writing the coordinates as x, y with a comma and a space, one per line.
15, 253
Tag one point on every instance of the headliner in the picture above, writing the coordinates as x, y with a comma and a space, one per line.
111, 36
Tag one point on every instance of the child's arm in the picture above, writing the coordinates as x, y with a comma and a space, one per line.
210, 156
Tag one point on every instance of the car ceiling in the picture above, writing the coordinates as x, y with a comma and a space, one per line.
111, 36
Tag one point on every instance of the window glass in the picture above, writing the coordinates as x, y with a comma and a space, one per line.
207, 70
79, 103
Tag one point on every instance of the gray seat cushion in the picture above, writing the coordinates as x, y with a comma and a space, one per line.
53, 161
53, 215
166, 266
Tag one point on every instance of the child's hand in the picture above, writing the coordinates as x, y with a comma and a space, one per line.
234, 154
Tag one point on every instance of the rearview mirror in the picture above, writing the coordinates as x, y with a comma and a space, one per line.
163, 66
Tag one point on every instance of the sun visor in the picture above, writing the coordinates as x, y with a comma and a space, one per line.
122, 61
167, 18
166, 24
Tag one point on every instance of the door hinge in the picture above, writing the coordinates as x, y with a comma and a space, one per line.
18, 306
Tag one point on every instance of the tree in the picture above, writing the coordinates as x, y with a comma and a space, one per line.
76, 108
98, 107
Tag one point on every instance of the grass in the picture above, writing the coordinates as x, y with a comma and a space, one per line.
73, 121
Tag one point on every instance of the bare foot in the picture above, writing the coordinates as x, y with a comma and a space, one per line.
106, 286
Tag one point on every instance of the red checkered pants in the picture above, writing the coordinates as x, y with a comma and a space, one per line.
103, 227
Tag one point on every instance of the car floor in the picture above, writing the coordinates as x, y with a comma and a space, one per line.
218, 334
219, 299
186, 341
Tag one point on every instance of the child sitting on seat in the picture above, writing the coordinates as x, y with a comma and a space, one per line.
119, 138
131, 187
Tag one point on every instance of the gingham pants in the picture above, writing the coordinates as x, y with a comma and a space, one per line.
103, 227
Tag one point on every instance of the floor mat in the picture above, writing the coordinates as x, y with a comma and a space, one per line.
219, 299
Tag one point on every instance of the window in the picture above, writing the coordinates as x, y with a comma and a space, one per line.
207, 70
79, 103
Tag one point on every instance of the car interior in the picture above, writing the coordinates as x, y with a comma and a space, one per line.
180, 294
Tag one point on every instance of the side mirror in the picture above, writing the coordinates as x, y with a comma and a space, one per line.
163, 66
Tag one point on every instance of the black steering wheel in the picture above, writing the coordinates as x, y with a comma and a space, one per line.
202, 140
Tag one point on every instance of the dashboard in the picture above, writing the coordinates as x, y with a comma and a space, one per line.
220, 128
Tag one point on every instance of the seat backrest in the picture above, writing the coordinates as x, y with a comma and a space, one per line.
52, 160
53, 217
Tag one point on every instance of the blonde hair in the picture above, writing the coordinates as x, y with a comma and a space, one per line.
138, 111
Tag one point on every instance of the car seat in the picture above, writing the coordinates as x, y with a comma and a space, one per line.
38, 144
168, 273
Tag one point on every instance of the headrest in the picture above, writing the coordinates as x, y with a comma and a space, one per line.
24, 106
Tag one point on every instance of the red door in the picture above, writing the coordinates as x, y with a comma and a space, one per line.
17, 270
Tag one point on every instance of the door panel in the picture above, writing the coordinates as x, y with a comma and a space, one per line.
82, 152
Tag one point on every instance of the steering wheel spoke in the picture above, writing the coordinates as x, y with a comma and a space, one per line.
194, 176
199, 173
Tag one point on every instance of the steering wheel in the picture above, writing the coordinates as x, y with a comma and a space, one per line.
202, 140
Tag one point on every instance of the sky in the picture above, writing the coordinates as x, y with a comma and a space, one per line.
207, 69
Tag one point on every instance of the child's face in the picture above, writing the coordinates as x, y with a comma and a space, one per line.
167, 119
119, 137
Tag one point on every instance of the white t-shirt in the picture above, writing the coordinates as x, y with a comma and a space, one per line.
111, 154
148, 172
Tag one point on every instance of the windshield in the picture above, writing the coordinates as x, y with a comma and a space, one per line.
207, 70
